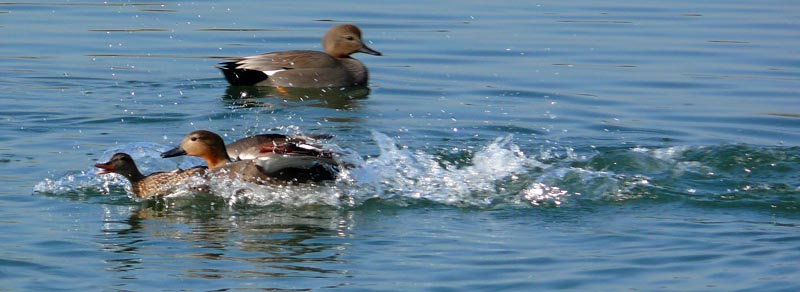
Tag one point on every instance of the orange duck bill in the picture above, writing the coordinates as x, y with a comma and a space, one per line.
105, 168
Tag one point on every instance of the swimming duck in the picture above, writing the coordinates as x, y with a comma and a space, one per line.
262, 159
154, 184
305, 68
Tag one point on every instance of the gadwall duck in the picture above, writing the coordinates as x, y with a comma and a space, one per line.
261, 159
303, 68
152, 185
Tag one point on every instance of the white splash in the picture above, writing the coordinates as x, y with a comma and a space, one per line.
401, 173
539, 194
498, 173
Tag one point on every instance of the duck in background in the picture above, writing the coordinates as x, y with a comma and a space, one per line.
261, 159
147, 186
306, 68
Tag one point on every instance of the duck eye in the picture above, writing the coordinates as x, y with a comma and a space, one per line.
194, 138
350, 38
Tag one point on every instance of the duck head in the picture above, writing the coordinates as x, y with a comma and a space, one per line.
345, 39
203, 144
120, 163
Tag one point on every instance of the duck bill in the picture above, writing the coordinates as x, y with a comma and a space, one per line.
367, 50
177, 151
105, 168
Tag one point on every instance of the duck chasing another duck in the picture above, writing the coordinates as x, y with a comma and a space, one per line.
265, 159
146, 186
305, 68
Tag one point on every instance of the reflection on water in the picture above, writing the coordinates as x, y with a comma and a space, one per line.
271, 243
345, 98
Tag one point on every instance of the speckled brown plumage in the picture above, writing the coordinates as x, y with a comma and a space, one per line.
155, 184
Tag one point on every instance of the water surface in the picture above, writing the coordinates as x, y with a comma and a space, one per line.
500, 146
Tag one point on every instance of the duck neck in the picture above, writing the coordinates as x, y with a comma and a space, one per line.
214, 161
134, 175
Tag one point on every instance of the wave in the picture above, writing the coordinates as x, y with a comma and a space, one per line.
498, 175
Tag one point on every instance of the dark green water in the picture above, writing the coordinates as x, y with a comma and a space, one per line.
501, 146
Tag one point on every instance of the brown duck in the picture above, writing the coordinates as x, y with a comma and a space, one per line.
154, 184
304, 68
262, 159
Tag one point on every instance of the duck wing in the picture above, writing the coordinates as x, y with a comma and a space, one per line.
267, 145
256, 69
276, 61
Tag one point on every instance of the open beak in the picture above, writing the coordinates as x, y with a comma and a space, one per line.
177, 151
105, 168
367, 50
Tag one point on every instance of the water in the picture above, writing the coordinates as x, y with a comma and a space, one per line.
501, 146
